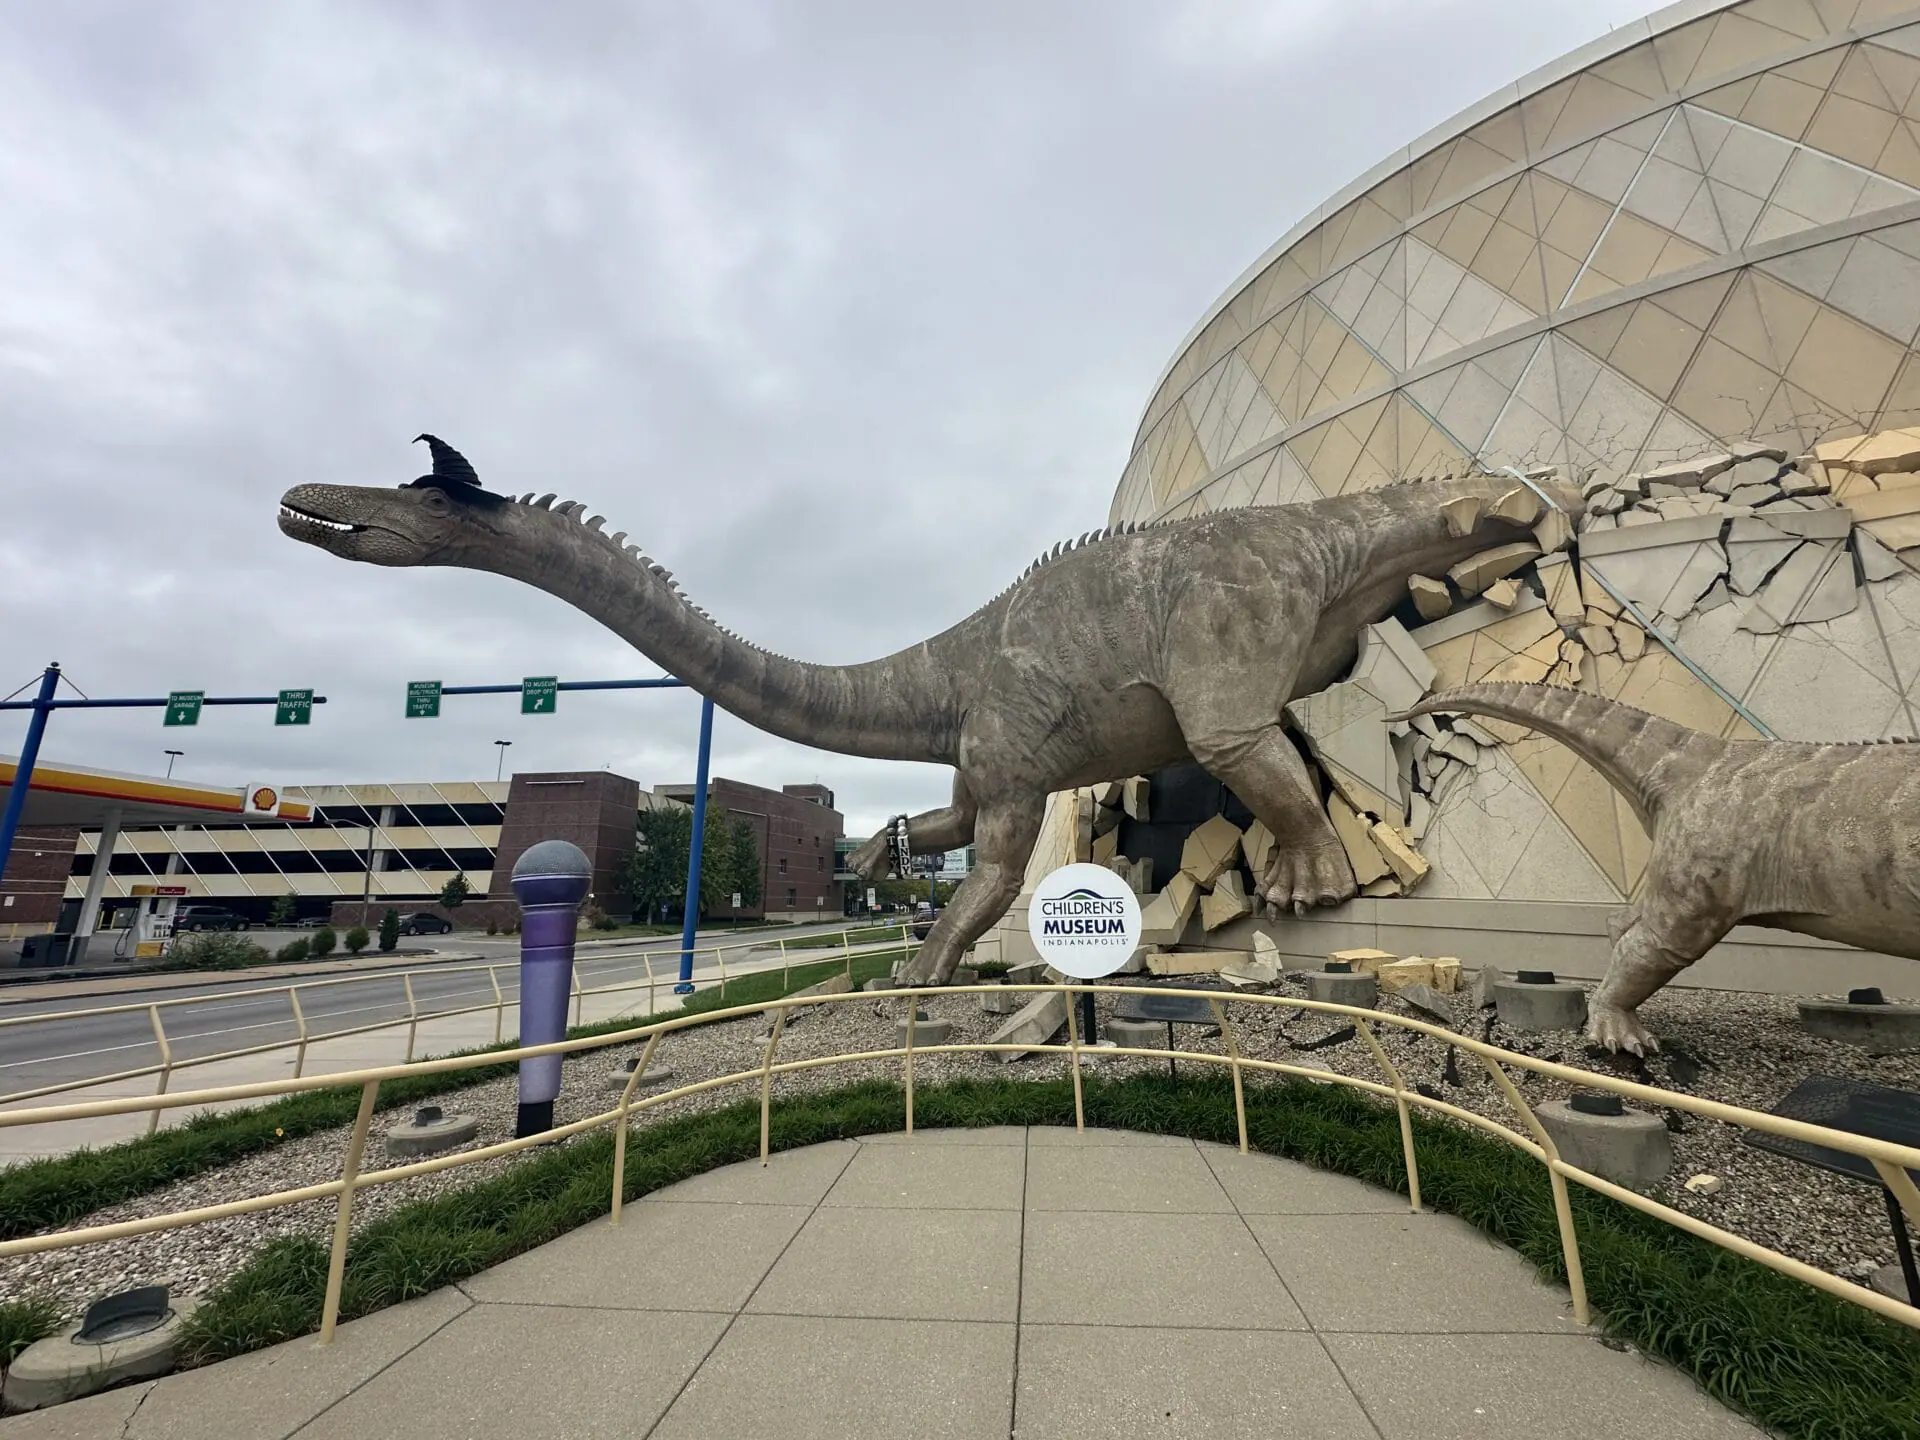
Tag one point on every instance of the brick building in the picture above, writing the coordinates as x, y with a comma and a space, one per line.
794, 828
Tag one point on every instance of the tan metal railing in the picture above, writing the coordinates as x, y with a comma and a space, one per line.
791, 953
1891, 1161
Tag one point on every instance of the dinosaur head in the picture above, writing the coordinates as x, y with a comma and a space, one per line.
417, 524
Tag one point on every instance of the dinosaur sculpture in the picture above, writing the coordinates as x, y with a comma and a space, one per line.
1127, 651
1822, 839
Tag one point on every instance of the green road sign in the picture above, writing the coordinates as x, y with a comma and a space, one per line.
294, 708
537, 694
183, 707
423, 699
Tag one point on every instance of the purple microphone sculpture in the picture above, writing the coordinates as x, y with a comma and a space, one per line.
549, 880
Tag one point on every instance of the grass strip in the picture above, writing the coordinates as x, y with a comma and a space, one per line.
24, 1321
40, 1195
1800, 1362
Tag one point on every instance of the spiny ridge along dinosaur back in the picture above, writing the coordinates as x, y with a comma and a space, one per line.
1823, 839
1130, 650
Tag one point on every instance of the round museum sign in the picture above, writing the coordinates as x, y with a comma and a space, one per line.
1085, 921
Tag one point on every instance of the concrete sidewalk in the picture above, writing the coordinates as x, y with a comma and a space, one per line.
961, 1284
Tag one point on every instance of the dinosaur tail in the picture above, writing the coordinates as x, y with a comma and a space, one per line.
1642, 756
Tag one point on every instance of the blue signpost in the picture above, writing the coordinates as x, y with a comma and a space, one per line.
44, 704
550, 880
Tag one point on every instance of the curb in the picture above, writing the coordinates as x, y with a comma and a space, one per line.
110, 982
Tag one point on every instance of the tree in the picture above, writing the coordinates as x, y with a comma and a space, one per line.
454, 894
390, 930
657, 869
281, 913
746, 863
718, 868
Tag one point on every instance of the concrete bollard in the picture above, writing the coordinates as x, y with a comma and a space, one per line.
430, 1130
1137, 1034
1357, 988
654, 1079
1533, 1001
66, 1366
1602, 1136
1864, 1019
925, 1032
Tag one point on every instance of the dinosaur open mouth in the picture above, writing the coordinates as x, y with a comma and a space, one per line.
307, 517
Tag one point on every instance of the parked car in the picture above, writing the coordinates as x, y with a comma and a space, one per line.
923, 918
191, 918
310, 922
424, 923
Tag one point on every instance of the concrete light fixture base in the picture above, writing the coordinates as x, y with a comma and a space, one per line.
57, 1369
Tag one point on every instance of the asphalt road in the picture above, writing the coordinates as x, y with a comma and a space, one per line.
212, 1021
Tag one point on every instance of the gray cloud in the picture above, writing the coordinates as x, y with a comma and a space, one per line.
844, 311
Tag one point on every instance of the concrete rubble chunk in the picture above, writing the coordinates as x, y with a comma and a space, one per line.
1902, 532
1106, 845
1503, 593
1382, 888
1462, 515
1704, 1184
1483, 982
1396, 975
1456, 746
1193, 962
1345, 730
1082, 825
1226, 902
1553, 532
1365, 857
1834, 594
1419, 817
1750, 562
1133, 798
1430, 597
1253, 969
1751, 495
1107, 794
1471, 728
1165, 917
1519, 505
1257, 846
1032, 1025
1391, 666
1790, 587
1211, 848
1754, 449
1561, 582
1691, 473
1879, 454
1428, 1001
1409, 867
1716, 596
1106, 819
1477, 572
1598, 639
1631, 640
1364, 959
1794, 484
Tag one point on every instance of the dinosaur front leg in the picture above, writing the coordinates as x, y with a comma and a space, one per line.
1309, 865
1003, 840
934, 832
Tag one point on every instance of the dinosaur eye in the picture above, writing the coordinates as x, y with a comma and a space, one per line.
435, 501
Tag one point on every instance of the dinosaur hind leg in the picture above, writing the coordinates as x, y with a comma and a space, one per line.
1649, 949
1003, 843
933, 832
1309, 865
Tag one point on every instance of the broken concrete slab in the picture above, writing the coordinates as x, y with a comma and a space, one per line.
1689, 473
1396, 975
1133, 798
1520, 505
1502, 593
1598, 639
1226, 902
1409, 866
1365, 857
1477, 572
1878, 454
1257, 846
1429, 1001
1193, 962
1446, 974
1553, 532
1032, 1025
1364, 959
1876, 561
1210, 848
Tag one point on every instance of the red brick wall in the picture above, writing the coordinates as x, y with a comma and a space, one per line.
36, 878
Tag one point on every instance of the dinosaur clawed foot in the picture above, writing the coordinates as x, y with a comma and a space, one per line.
1617, 1029
1299, 879
872, 860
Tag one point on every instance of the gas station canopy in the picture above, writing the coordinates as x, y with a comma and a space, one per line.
70, 795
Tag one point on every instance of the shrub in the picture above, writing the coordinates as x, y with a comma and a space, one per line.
606, 922
293, 951
324, 940
282, 911
390, 930
992, 969
214, 950
493, 927
357, 939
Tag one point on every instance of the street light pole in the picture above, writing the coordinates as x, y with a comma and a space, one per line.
501, 750
173, 755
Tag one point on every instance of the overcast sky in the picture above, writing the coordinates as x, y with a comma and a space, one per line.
844, 311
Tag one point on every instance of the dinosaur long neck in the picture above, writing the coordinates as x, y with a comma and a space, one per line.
1642, 756
901, 707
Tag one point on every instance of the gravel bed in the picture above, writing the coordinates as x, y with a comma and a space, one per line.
1741, 1048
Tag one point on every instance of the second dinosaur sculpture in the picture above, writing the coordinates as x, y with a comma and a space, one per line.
1823, 839
1133, 650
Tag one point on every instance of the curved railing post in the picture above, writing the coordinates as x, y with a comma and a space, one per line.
166, 1065
578, 996
1400, 1103
766, 1083
343, 1217
300, 1019
413, 1015
913, 1013
1239, 1091
620, 1127
1562, 1206
499, 1004
1073, 1055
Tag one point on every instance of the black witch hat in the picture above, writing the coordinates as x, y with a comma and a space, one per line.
453, 473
